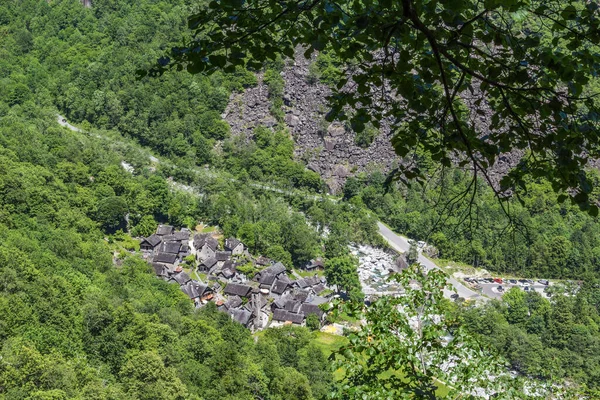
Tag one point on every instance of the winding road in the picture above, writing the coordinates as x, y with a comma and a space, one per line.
401, 244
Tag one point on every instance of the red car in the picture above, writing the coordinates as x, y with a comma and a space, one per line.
498, 280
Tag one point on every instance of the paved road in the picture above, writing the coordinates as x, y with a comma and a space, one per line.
491, 289
400, 243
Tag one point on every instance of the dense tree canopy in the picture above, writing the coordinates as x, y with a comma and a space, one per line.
431, 69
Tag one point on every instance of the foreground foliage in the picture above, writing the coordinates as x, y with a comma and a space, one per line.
413, 347
431, 69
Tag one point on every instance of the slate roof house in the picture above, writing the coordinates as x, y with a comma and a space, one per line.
170, 247
222, 256
161, 270
181, 277
308, 309
266, 280
196, 290
263, 261
241, 315
150, 243
166, 258
314, 265
234, 246
275, 269
286, 316
237, 289
183, 235
280, 286
164, 230
233, 302
206, 246
207, 264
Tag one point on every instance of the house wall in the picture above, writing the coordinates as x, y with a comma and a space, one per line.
239, 250
205, 253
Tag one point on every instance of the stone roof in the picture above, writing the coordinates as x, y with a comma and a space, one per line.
199, 240
212, 242
318, 263
231, 244
164, 230
223, 255
301, 295
277, 268
240, 315
301, 283
181, 278
170, 247
293, 306
182, 235
280, 302
263, 261
308, 309
237, 289
233, 302
283, 315
160, 269
167, 258
312, 280
153, 240
202, 239
279, 286
319, 288
266, 278
227, 273
209, 262
194, 289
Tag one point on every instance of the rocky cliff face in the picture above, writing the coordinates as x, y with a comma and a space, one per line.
327, 149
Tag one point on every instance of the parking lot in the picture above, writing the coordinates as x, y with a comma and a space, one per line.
496, 288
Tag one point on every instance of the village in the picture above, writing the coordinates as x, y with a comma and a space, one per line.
256, 292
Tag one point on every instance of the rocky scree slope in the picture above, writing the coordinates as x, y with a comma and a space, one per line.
326, 148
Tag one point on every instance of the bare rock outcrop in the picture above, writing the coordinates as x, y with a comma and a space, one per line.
325, 148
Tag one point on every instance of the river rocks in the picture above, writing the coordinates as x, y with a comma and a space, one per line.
374, 267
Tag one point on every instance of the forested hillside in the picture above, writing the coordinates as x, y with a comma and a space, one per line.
531, 235
80, 317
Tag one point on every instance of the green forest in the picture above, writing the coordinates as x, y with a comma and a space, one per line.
72, 326
533, 236
82, 316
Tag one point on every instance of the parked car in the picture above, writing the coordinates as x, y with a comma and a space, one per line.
544, 282
454, 296
527, 288
500, 288
526, 284
498, 280
512, 281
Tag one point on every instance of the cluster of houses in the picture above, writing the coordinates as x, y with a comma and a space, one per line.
268, 298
